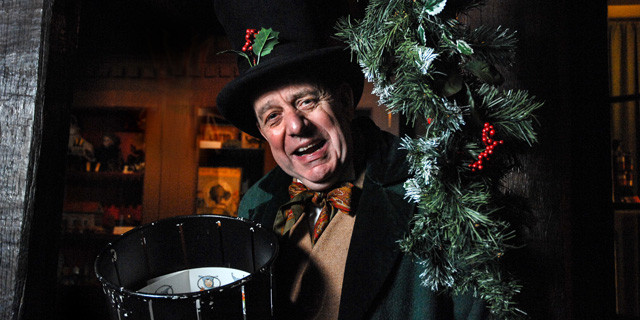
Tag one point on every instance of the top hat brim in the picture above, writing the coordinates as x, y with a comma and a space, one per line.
235, 100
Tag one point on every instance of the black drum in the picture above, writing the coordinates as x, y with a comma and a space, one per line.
226, 260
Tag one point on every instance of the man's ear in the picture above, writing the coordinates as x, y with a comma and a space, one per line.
345, 96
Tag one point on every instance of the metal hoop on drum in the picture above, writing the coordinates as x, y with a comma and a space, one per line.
190, 267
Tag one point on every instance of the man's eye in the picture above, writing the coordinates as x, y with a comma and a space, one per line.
305, 103
270, 117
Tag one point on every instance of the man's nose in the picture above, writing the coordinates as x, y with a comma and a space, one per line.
296, 122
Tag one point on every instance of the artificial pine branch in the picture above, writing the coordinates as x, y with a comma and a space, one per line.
427, 65
496, 46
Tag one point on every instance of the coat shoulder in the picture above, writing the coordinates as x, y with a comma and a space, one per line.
257, 202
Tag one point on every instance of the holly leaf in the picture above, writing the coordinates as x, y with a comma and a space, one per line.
446, 40
433, 7
270, 43
422, 35
264, 42
464, 47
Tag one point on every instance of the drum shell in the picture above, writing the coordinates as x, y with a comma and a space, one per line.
188, 242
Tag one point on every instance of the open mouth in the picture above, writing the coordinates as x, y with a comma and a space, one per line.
310, 148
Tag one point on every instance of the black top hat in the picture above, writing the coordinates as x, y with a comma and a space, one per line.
305, 48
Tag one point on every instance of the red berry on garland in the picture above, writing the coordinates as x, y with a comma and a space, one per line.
487, 132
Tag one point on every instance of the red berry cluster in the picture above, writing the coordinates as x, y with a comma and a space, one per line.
250, 36
490, 144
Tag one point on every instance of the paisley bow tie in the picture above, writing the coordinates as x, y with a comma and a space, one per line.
330, 202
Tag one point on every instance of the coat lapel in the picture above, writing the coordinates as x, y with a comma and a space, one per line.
382, 218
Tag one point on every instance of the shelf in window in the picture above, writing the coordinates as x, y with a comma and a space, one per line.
104, 176
626, 206
89, 238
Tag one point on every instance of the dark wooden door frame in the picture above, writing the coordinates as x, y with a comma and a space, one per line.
23, 43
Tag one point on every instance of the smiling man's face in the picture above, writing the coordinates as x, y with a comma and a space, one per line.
308, 131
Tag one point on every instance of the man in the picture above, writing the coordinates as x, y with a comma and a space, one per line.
336, 198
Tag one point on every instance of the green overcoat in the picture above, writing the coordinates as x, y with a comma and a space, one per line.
380, 282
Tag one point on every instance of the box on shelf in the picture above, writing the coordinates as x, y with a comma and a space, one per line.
215, 136
81, 217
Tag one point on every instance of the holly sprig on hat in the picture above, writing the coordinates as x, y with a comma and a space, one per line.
258, 44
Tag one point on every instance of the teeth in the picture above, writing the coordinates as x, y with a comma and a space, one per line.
303, 149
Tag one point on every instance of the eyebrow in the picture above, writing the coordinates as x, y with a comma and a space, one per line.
262, 109
305, 92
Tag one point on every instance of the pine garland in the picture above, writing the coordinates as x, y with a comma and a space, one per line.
427, 65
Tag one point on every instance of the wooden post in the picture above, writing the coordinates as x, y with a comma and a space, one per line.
566, 262
22, 67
